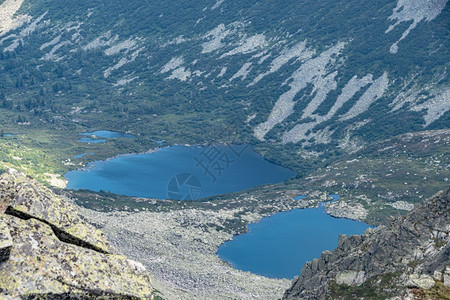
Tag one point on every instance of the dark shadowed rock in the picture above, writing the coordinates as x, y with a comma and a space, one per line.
412, 251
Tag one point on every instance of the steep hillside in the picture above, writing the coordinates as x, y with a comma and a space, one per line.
408, 255
318, 75
385, 178
48, 252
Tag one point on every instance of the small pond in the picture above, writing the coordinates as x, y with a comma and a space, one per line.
107, 134
91, 140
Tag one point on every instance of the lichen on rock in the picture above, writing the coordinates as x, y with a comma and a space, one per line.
24, 197
36, 263
5, 242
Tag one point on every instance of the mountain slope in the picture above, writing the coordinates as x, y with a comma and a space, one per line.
308, 72
386, 177
410, 254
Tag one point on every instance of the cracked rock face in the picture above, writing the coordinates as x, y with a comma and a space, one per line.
36, 262
5, 242
24, 197
413, 251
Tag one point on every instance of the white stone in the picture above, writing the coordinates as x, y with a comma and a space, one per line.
174, 63
243, 72
447, 277
416, 11
123, 61
248, 45
402, 205
309, 72
298, 52
435, 108
373, 93
422, 281
180, 73
8, 20
353, 278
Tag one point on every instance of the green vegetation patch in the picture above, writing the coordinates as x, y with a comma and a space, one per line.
376, 288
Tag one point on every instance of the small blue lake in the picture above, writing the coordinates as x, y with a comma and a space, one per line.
82, 155
278, 246
108, 134
180, 172
91, 140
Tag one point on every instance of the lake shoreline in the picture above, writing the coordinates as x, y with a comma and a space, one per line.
243, 242
234, 169
198, 242
152, 150
178, 245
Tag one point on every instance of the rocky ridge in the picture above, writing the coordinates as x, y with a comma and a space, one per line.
407, 257
179, 249
48, 251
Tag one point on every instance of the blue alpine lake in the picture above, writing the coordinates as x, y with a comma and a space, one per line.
180, 172
278, 246
80, 155
91, 140
108, 134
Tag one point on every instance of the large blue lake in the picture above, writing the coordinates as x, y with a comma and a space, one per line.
180, 172
278, 246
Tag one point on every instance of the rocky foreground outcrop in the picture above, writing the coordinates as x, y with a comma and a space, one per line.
47, 251
407, 258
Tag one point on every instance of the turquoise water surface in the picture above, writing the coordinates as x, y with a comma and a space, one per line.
91, 140
180, 172
108, 134
82, 155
